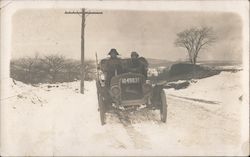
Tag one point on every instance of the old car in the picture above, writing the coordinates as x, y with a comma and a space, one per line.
128, 90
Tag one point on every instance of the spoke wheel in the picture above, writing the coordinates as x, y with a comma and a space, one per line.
163, 106
101, 109
101, 104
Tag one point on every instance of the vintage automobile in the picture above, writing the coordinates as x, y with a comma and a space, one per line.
129, 91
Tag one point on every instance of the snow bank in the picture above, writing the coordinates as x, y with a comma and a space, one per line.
229, 67
224, 90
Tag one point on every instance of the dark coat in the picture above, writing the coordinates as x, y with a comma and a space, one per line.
138, 65
111, 67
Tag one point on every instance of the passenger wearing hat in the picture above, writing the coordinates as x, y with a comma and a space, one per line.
113, 53
113, 66
138, 64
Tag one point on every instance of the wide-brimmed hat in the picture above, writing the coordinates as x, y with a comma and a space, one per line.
113, 51
134, 53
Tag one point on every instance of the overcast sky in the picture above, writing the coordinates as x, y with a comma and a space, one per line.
151, 34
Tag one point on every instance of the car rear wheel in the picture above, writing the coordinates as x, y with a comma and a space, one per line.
102, 109
163, 106
101, 104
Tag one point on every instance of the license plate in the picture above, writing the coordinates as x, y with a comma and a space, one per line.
132, 80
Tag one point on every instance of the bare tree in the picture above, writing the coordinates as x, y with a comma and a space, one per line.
194, 40
51, 68
27, 65
89, 69
54, 64
69, 68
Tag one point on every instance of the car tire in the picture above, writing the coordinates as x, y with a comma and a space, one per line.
163, 106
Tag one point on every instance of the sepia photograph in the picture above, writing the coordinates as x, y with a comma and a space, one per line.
124, 78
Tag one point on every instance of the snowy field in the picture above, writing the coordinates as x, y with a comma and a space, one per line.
56, 120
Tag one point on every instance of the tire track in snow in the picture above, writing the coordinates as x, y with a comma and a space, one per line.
218, 126
211, 109
139, 140
197, 100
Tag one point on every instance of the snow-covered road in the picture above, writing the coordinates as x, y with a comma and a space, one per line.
58, 120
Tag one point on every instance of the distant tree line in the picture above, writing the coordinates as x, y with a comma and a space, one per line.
49, 69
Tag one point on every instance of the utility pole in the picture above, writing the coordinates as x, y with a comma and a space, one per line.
82, 13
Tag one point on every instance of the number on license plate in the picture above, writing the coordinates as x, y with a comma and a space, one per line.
130, 80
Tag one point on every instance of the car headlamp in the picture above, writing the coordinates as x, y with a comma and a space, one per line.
146, 88
115, 91
102, 76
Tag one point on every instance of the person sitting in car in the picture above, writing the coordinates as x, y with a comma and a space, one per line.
111, 66
138, 64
